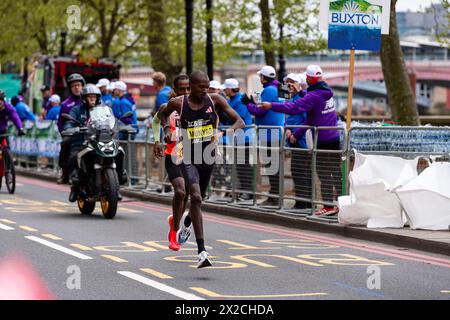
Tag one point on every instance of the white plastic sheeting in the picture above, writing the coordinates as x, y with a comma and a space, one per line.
426, 199
372, 201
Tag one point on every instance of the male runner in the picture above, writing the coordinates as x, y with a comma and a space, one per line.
181, 88
199, 137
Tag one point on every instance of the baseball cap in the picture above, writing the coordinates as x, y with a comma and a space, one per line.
215, 84
292, 76
103, 83
55, 99
230, 84
314, 71
120, 85
268, 71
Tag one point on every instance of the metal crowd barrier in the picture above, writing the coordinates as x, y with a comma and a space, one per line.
306, 178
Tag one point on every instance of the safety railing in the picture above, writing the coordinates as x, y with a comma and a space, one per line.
298, 178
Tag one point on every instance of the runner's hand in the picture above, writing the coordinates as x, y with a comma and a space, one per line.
157, 150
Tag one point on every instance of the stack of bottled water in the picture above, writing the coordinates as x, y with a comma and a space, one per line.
375, 137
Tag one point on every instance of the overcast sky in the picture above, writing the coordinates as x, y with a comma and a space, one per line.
414, 5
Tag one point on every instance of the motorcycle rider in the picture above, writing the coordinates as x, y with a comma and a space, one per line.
91, 97
76, 83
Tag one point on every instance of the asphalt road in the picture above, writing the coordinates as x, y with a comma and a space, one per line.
128, 258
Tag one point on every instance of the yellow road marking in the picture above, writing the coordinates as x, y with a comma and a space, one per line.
51, 236
240, 246
26, 228
60, 203
445, 291
213, 294
7, 221
156, 273
81, 247
113, 258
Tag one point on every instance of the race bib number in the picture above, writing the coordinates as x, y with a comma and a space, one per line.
203, 133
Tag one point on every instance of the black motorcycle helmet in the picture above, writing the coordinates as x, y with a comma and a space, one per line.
15, 100
75, 77
2, 95
91, 89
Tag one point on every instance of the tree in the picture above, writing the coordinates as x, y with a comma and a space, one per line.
400, 94
266, 32
162, 57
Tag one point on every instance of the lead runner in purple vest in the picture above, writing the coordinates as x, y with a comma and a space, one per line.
198, 126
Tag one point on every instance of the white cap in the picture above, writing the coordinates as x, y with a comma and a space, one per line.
314, 71
268, 71
111, 86
230, 84
55, 99
292, 76
215, 84
302, 77
120, 85
103, 83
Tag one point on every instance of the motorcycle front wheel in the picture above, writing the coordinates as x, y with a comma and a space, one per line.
85, 207
110, 198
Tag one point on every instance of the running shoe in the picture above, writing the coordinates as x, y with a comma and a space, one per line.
203, 260
184, 233
173, 244
327, 212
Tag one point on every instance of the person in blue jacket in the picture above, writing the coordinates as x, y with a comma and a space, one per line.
103, 85
55, 107
301, 160
22, 110
122, 105
269, 136
159, 82
244, 138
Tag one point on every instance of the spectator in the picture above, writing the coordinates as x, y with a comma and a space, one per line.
270, 137
55, 107
321, 112
46, 93
301, 160
103, 85
215, 87
243, 139
22, 110
159, 82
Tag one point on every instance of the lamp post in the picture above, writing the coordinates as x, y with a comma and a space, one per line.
209, 40
62, 51
281, 60
189, 34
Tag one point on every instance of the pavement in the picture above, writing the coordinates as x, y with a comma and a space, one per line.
429, 241
89, 257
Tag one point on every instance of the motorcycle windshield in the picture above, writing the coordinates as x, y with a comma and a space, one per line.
101, 118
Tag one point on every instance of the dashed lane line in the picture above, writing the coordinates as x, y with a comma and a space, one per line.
156, 273
114, 258
160, 286
59, 248
29, 229
51, 236
7, 221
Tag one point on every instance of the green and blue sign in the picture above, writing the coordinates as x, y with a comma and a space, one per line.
354, 24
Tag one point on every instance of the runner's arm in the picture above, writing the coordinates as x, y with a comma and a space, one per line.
164, 114
222, 105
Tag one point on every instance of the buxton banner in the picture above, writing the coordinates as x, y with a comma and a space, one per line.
354, 24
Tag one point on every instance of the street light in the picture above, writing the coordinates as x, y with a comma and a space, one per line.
281, 60
209, 40
189, 34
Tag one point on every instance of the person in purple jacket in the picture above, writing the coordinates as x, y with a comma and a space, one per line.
318, 103
76, 83
8, 113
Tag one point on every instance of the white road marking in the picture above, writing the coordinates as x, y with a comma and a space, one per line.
5, 227
160, 286
59, 248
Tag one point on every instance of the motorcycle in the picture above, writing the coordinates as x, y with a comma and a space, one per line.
98, 159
